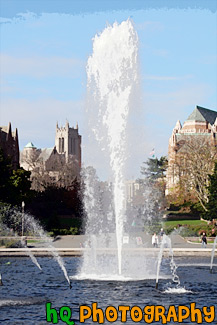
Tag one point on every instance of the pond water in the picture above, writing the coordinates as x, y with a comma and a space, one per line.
26, 290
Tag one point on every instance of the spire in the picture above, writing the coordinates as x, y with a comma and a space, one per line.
9, 135
76, 126
16, 133
57, 127
67, 124
214, 127
177, 127
16, 137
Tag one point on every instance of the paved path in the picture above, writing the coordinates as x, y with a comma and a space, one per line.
74, 245
78, 241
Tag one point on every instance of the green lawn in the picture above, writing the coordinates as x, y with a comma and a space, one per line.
29, 241
184, 222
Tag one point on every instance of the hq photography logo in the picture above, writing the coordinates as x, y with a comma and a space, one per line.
148, 314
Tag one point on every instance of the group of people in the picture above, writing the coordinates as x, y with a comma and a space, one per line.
155, 241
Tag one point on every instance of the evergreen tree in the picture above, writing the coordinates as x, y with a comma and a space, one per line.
155, 168
212, 196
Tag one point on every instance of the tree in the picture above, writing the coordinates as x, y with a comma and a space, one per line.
14, 184
193, 164
149, 198
52, 204
155, 168
155, 175
5, 172
21, 184
211, 206
53, 172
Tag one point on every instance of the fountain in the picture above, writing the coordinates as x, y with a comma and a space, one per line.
213, 253
113, 249
14, 217
166, 243
111, 73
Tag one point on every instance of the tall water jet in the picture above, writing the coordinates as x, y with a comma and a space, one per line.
213, 253
111, 76
166, 243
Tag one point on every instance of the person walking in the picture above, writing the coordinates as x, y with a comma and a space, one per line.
204, 240
161, 234
155, 240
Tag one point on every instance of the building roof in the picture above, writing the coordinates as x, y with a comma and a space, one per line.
7, 130
45, 153
29, 145
4, 128
201, 114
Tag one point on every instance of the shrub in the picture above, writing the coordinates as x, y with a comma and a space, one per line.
10, 243
63, 232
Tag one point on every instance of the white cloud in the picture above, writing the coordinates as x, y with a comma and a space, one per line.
19, 17
208, 59
166, 78
161, 52
150, 26
168, 105
162, 110
36, 120
148, 128
40, 67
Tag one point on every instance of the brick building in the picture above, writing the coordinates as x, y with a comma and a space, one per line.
201, 125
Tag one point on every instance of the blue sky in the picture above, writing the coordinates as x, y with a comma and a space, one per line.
44, 50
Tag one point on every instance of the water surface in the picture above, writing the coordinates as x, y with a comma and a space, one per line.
26, 289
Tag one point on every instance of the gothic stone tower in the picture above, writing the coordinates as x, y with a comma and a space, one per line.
68, 142
9, 144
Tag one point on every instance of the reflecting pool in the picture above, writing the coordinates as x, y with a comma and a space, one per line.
26, 289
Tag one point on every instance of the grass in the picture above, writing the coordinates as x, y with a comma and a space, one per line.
209, 241
184, 222
32, 241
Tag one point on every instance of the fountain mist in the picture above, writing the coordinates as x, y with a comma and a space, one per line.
33, 228
213, 253
114, 248
111, 76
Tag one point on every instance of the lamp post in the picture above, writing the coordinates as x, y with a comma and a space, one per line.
23, 206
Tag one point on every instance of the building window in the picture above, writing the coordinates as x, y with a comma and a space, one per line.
62, 144
71, 145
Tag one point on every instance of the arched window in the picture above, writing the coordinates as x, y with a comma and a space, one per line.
60, 149
62, 145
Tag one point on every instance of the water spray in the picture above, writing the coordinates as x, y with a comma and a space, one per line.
156, 285
111, 78
35, 228
160, 259
166, 242
212, 255
1, 283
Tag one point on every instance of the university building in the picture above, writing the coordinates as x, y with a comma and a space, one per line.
9, 144
58, 164
201, 125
